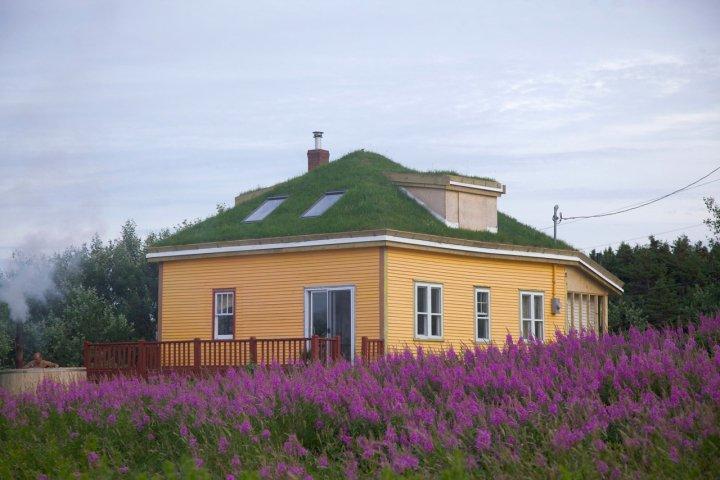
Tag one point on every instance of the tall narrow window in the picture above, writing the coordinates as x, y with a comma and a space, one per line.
531, 315
325, 202
267, 207
428, 310
482, 314
224, 315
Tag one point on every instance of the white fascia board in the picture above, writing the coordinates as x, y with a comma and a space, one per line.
477, 187
379, 238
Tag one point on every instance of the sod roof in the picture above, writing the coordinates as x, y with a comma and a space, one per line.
371, 202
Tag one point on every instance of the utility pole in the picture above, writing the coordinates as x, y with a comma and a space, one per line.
555, 222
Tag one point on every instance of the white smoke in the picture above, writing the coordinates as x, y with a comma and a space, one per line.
23, 278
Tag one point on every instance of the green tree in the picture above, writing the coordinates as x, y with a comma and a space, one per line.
622, 315
713, 222
85, 316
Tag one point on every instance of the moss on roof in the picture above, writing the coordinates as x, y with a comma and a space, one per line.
371, 202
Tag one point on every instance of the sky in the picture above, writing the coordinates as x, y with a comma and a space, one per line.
158, 111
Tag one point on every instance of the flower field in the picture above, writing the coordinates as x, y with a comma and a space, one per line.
645, 404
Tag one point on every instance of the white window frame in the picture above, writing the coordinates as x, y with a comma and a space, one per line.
216, 315
428, 314
485, 317
532, 318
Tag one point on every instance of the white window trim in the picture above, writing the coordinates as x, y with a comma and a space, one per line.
215, 316
428, 323
477, 315
533, 321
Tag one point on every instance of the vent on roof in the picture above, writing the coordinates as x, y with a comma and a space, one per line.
325, 202
267, 207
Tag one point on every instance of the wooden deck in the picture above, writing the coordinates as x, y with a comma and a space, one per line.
203, 356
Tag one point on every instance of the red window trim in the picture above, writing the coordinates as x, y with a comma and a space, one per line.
212, 310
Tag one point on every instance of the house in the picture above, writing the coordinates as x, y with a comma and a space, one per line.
365, 247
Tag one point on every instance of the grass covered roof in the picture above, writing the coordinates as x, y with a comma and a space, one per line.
371, 202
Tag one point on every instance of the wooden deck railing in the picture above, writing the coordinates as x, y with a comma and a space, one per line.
196, 356
371, 349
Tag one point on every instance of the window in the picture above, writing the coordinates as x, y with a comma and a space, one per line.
584, 312
482, 314
428, 310
531, 315
224, 315
267, 207
321, 206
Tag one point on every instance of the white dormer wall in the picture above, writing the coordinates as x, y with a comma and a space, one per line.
459, 202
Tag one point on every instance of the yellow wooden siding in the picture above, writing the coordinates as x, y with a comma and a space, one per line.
459, 275
269, 291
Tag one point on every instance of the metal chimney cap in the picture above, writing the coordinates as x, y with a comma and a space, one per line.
317, 134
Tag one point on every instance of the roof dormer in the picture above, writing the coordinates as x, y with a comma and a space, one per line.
457, 201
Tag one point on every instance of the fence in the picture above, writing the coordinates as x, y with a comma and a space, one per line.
197, 356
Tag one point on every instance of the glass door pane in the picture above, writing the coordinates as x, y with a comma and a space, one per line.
341, 319
319, 313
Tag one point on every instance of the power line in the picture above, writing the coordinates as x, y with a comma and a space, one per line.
690, 187
643, 204
644, 236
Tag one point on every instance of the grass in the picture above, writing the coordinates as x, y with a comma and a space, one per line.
371, 202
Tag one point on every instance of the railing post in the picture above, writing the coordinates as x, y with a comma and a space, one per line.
253, 350
196, 354
364, 349
315, 348
85, 354
142, 359
336, 348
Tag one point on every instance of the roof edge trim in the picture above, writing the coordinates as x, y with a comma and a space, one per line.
388, 238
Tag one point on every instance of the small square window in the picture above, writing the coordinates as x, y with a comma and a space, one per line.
325, 202
531, 315
428, 311
267, 207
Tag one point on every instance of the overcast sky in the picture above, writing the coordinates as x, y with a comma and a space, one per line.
156, 111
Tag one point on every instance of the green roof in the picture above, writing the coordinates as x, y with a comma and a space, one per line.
371, 202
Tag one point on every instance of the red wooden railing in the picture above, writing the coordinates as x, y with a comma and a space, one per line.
196, 356
371, 349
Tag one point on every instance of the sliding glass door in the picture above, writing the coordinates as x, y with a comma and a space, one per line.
330, 313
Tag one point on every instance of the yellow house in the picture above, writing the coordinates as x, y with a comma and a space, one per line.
364, 247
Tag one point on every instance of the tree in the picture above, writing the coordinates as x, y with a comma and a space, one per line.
713, 223
85, 316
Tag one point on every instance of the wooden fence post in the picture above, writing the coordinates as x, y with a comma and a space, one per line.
142, 359
364, 349
253, 351
196, 354
315, 348
85, 354
336, 348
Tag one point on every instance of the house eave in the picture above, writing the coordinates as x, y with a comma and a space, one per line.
372, 238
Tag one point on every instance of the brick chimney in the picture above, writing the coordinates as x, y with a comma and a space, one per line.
317, 156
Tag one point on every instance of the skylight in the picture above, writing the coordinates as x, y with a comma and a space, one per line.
321, 206
267, 207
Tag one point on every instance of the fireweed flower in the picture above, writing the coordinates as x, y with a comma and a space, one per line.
631, 401
93, 458
223, 444
482, 440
